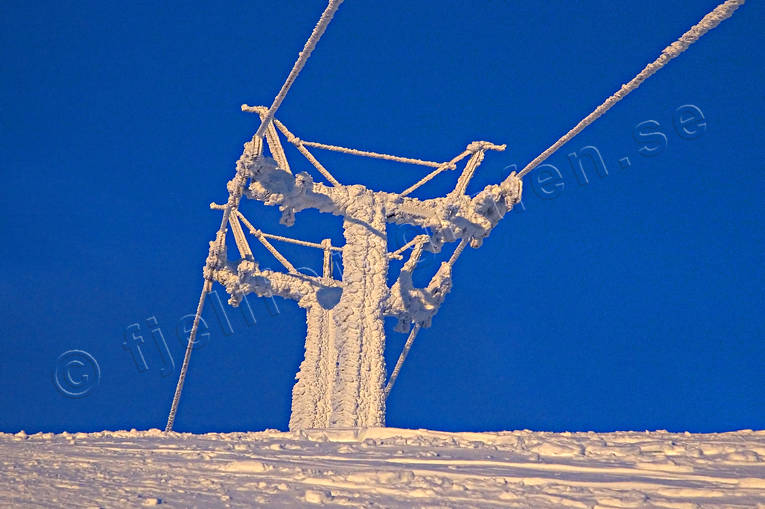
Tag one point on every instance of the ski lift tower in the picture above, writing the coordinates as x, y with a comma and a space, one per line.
341, 381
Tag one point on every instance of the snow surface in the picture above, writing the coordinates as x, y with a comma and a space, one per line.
383, 467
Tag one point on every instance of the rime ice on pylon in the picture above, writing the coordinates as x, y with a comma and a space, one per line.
341, 380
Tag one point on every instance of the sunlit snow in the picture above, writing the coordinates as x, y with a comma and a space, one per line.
384, 467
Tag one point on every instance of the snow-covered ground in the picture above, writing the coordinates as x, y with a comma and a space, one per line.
383, 467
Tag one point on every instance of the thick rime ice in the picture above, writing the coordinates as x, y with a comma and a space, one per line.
359, 335
340, 381
453, 217
417, 305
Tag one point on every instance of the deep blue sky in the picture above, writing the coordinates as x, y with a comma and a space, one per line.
634, 301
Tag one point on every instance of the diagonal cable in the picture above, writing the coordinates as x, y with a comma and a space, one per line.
707, 23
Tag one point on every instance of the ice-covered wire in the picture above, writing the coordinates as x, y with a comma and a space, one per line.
261, 110
472, 148
418, 239
374, 155
303, 56
430, 176
707, 23
401, 359
458, 251
271, 249
187, 356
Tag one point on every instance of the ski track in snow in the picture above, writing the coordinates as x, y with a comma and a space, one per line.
383, 467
